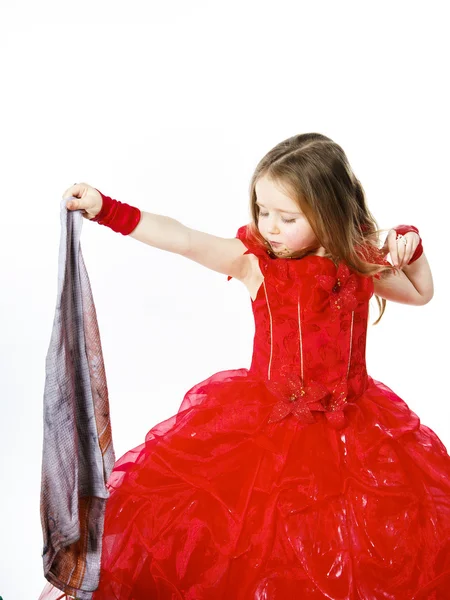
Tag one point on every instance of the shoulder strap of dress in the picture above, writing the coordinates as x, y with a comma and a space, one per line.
254, 246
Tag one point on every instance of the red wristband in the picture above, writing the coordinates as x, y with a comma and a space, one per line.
402, 229
118, 216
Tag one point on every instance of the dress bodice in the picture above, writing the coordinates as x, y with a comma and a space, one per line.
311, 321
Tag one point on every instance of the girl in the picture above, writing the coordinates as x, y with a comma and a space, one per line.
302, 476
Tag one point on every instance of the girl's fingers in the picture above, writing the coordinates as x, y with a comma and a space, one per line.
400, 252
392, 244
409, 247
401, 249
75, 191
74, 195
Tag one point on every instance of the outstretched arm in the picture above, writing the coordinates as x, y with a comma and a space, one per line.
225, 255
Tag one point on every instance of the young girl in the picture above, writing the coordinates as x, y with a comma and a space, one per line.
302, 476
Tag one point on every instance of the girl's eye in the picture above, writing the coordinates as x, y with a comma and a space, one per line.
261, 214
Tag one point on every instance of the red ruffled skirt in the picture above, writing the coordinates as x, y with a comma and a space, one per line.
219, 504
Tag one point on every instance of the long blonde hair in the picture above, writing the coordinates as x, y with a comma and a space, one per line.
314, 171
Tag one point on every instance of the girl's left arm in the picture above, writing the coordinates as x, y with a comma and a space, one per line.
411, 284
419, 274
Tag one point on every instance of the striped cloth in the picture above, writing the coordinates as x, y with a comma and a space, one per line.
78, 454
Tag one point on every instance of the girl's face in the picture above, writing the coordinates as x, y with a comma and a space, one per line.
281, 222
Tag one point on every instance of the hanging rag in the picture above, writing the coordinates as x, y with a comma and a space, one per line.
78, 454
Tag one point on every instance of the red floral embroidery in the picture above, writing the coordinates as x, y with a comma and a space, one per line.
301, 400
334, 410
296, 398
341, 288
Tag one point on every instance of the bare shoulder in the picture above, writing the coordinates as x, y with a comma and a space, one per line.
224, 255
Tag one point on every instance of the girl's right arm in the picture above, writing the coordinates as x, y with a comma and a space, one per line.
225, 255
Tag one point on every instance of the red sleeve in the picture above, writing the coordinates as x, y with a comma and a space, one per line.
252, 244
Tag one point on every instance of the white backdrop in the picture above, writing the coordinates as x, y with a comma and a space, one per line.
170, 108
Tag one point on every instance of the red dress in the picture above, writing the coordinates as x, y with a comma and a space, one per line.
300, 477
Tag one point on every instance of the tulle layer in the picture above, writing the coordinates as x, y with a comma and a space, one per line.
219, 504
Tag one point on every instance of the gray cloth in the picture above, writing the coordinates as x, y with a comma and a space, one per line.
78, 454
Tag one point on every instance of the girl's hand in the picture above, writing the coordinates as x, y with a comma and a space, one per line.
400, 252
87, 199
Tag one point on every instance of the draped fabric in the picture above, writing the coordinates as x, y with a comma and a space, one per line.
299, 477
78, 454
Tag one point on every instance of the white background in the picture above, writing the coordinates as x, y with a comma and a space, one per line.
169, 107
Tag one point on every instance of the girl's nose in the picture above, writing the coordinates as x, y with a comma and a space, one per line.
272, 227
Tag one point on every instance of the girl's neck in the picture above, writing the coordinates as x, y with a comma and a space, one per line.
320, 251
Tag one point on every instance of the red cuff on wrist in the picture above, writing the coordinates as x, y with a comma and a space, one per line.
118, 216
